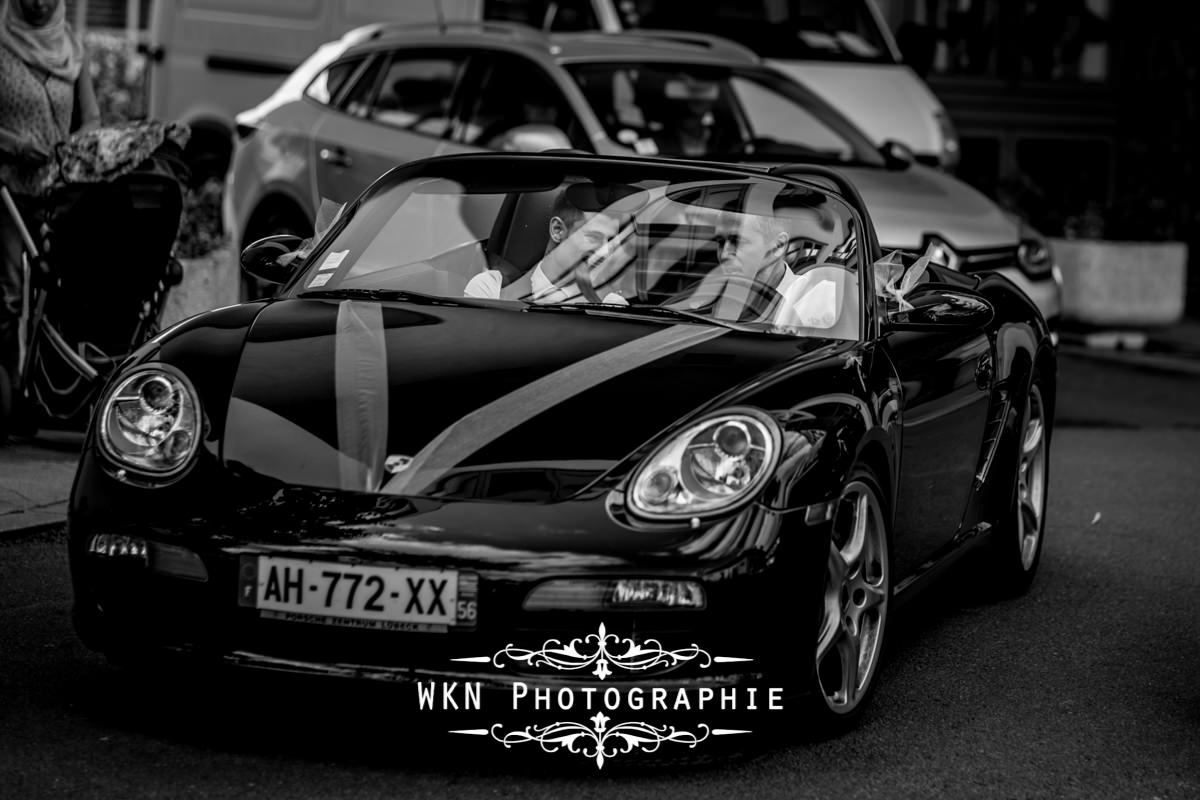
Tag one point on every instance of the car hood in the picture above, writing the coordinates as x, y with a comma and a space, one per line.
908, 204
457, 402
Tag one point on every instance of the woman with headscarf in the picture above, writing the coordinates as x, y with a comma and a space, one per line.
46, 94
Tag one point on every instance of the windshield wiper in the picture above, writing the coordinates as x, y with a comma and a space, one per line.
405, 295
642, 311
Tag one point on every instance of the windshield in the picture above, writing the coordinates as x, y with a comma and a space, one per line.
819, 30
718, 113
607, 239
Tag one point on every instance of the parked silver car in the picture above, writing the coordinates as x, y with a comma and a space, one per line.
385, 95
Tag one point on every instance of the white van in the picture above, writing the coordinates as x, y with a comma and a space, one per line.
211, 59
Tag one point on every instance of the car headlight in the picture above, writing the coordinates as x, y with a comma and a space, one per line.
941, 253
151, 421
1033, 253
711, 465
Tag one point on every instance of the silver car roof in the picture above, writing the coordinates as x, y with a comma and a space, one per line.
557, 48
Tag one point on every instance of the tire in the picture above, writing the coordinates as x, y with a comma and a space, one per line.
274, 223
854, 607
1016, 544
207, 154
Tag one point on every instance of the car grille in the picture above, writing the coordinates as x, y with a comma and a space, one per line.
983, 260
970, 261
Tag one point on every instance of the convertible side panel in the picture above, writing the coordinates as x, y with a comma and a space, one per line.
945, 388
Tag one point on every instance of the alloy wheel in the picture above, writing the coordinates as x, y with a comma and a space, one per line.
1031, 478
857, 591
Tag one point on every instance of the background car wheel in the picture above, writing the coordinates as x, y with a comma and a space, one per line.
273, 223
854, 607
1016, 546
207, 153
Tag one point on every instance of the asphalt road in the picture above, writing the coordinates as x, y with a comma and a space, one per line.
1086, 687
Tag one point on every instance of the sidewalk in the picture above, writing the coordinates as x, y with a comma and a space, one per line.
35, 480
1172, 349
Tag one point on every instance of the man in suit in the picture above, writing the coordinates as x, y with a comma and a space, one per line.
576, 237
774, 252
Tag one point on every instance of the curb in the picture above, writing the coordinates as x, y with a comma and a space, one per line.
30, 531
1148, 359
1131, 341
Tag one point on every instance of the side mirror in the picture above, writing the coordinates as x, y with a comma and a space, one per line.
265, 259
531, 139
939, 307
897, 155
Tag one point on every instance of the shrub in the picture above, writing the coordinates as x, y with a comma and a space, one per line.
119, 75
200, 228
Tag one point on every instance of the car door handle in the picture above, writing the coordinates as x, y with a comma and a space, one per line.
336, 157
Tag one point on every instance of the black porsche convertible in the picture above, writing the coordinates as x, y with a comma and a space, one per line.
518, 398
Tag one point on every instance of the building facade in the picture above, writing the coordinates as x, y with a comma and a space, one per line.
1082, 114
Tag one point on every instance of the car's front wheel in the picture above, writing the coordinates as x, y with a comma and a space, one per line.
854, 607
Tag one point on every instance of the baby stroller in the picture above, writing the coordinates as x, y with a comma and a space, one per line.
97, 284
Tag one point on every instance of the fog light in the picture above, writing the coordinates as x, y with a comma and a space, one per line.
177, 561
665, 594
112, 545
624, 594
819, 512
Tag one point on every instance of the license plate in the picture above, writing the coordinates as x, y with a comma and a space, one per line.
357, 595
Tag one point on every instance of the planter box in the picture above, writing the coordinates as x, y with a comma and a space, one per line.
1122, 284
210, 281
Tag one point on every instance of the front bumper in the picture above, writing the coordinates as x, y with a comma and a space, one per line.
135, 613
